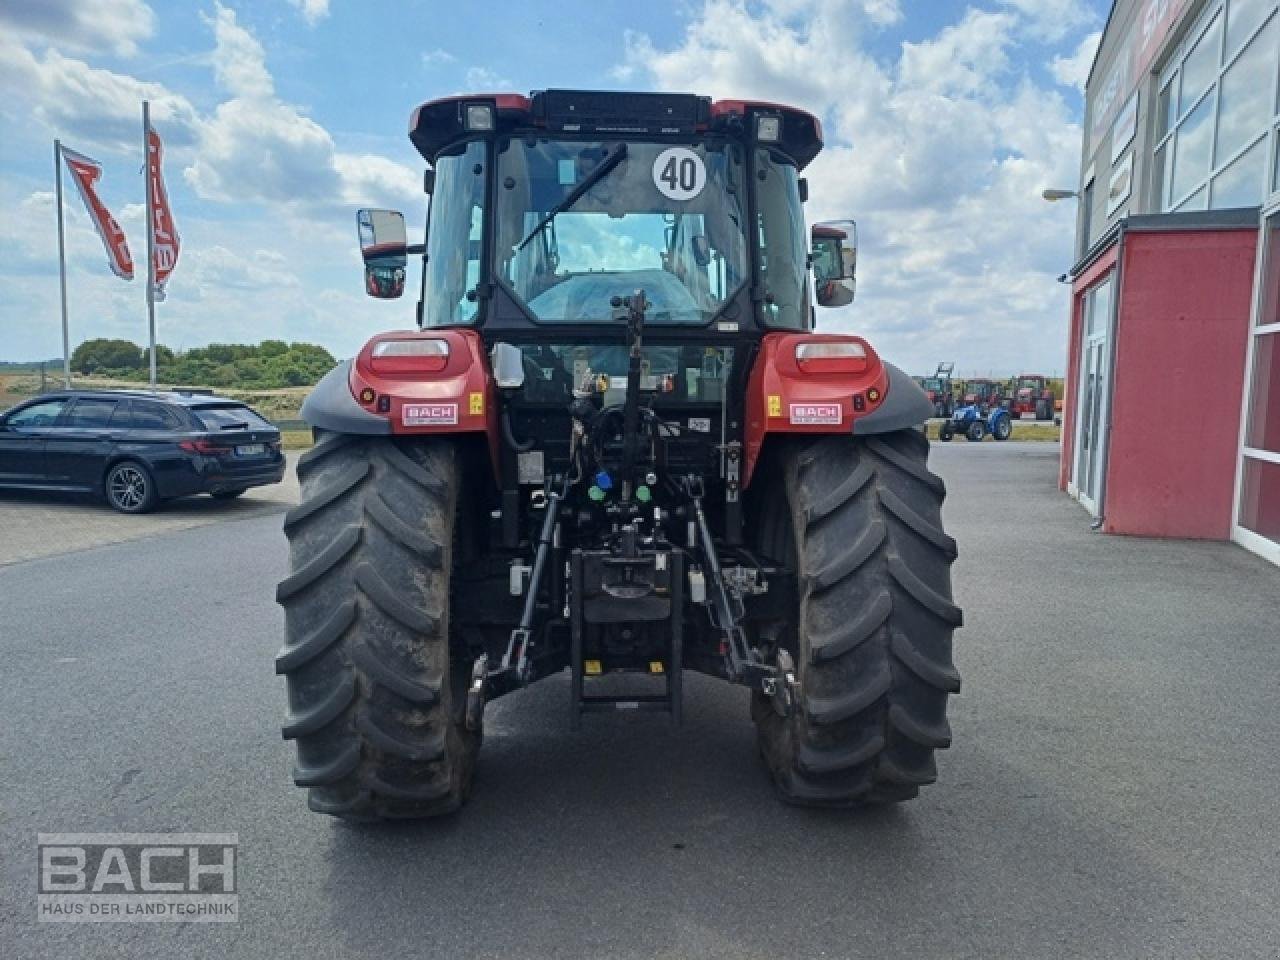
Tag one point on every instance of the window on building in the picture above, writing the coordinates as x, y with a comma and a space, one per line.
1216, 111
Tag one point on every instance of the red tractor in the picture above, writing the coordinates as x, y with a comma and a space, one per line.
615, 444
984, 394
1031, 394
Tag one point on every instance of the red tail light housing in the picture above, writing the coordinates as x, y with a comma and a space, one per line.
821, 357
416, 355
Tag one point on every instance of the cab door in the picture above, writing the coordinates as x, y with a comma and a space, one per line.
23, 434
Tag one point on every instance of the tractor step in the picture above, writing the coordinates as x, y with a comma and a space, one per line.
587, 612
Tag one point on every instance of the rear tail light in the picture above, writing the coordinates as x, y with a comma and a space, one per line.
842, 356
410, 356
206, 447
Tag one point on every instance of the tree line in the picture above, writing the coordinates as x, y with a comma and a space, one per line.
267, 365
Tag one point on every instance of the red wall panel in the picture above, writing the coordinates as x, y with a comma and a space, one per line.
1178, 379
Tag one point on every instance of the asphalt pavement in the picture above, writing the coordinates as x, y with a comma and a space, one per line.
1111, 792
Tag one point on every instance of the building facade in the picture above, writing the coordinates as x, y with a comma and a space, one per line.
1172, 420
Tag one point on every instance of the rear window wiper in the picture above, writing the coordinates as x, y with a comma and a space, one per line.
576, 194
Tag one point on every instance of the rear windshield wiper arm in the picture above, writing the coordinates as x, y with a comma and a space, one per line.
576, 194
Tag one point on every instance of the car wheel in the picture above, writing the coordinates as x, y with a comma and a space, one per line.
129, 488
227, 494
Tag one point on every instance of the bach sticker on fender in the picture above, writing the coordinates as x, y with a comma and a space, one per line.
429, 414
815, 413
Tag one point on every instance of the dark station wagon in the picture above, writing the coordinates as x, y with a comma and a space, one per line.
137, 448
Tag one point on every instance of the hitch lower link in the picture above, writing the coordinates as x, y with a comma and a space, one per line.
743, 663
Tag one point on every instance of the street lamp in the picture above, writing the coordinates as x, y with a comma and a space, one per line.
1054, 196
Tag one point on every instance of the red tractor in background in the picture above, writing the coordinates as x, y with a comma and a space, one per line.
983, 393
1031, 394
615, 444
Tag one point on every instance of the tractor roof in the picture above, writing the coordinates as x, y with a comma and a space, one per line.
437, 123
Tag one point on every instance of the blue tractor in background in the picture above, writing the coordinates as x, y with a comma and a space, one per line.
975, 421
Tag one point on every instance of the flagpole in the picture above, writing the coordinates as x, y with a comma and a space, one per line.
62, 264
150, 215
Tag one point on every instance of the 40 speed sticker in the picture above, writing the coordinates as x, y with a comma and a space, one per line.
679, 173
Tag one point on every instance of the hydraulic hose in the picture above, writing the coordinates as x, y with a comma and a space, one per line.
509, 437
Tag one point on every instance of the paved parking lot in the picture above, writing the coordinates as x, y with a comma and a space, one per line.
43, 525
1111, 792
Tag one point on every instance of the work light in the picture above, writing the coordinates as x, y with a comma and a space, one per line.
768, 128
479, 116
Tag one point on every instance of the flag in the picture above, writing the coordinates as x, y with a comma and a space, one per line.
86, 173
165, 242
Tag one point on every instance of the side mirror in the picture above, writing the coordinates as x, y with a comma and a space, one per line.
384, 246
835, 262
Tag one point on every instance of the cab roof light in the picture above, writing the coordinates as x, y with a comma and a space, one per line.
768, 127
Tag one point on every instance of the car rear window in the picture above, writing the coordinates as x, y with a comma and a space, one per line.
229, 417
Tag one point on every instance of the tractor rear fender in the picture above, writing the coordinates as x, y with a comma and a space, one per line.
811, 383
411, 383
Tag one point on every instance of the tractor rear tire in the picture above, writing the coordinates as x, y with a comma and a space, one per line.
1044, 410
860, 520
375, 699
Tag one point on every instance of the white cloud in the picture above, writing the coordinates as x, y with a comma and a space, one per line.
437, 56
1052, 20
964, 60
256, 148
239, 62
90, 107
313, 11
114, 26
484, 80
1073, 71
882, 12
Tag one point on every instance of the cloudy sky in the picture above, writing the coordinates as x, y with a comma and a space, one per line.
944, 120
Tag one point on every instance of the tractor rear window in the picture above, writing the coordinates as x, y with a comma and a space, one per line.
582, 222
